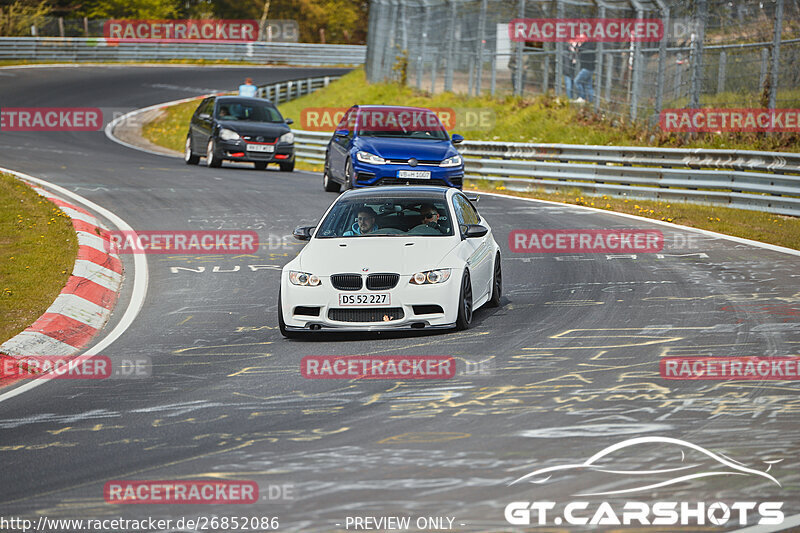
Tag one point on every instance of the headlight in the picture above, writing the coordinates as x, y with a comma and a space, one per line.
451, 161
366, 157
304, 279
430, 277
228, 135
287, 138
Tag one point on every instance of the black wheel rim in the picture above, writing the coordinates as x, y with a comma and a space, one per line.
467, 300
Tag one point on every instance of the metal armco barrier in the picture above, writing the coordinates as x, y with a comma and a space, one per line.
99, 49
760, 181
289, 90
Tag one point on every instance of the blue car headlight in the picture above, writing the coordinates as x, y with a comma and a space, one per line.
454, 161
366, 157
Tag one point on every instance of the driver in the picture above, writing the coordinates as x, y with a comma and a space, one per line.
430, 216
365, 223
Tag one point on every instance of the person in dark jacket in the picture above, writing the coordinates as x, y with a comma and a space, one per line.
584, 80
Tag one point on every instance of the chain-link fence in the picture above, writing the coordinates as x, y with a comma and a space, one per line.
709, 53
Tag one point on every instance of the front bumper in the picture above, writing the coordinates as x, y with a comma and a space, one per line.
309, 308
237, 151
368, 175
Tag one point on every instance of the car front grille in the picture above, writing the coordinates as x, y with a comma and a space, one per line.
347, 282
427, 163
382, 282
377, 314
259, 139
398, 181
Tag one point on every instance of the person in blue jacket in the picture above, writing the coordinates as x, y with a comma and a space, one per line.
365, 223
247, 88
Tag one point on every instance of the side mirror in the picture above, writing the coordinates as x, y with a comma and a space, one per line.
204, 116
303, 233
289, 121
341, 133
456, 138
474, 230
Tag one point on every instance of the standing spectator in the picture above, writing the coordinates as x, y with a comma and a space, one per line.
512, 65
584, 80
569, 66
247, 88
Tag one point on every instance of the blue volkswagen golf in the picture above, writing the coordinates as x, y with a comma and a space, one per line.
391, 145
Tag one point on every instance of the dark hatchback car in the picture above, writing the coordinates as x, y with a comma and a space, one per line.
234, 128
391, 145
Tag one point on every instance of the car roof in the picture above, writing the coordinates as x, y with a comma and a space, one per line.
394, 191
243, 99
395, 107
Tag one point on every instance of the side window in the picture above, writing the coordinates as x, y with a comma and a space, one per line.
464, 211
348, 122
208, 107
201, 107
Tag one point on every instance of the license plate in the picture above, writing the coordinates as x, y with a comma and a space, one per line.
260, 148
364, 299
414, 174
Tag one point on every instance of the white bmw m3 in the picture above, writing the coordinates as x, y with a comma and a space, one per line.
400, 257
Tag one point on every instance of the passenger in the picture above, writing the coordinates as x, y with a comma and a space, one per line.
365, 223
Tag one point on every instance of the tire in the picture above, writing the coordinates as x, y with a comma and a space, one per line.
497, 284
260, 165
464, 318
348, 175
188, 156
327, 183
287, 167
282, 325
211, 158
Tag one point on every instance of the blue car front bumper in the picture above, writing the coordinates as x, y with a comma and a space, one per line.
368, 175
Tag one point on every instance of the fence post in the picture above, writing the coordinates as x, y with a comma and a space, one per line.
371, 60
764, 67
471, 78
421, 59
609, 77
701, 14
451, 36
776, 54
61, 26
678, 81
599, 65
481, 42
493, 86
86, 26
434, 64
559, 51
546, 68
518, 88
662, 58
326, 81
723, 63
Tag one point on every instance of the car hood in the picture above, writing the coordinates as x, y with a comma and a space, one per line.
267, 129
422, 149
400, 254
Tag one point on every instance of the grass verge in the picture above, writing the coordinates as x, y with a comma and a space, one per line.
755, 225
170, 128
38, 247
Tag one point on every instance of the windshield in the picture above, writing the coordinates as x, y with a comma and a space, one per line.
382, 217
247, 112
404, 124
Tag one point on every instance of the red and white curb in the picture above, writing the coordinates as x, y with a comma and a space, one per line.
85, 303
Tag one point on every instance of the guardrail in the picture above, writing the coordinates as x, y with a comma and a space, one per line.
761, 181
289, 90
77, 49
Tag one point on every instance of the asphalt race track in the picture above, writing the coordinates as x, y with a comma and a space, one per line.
570, 361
